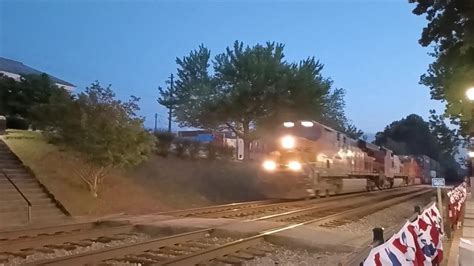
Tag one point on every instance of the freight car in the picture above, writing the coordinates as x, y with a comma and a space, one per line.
311, 159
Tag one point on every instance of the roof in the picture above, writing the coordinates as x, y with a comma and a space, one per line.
19, 68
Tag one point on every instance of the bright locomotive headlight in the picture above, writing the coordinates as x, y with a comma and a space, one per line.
288, 142
269, 165
294, 165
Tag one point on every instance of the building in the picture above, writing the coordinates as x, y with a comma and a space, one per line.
15, 70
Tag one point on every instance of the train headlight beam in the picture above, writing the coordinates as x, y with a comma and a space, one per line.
294, 165
269, 165
288, 142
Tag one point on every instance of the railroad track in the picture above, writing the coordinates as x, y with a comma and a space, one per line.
202, 247
253, 210
216, 209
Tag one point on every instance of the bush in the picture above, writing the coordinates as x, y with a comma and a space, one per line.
163, 142
16, 122
182, 146
193, 149
211, 151
226, 152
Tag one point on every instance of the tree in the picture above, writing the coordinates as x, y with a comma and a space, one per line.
410, 135
352, 131
447, 138
106, 132
18, 97
167, 99
252, 89
413, 135
194, 88
450, 30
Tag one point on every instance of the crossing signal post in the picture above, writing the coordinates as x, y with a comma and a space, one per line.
438, 183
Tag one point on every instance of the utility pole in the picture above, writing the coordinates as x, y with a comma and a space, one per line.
170, 109
156, 122
167, 99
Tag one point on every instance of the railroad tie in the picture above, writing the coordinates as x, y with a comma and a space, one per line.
229, 260
242, 255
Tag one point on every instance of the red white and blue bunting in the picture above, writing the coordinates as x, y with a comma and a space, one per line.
417, 243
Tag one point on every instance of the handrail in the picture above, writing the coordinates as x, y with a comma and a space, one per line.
359, 257
22, 195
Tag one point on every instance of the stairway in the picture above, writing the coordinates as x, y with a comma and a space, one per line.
13, 207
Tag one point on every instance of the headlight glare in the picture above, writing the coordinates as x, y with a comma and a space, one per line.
288, 142
294, 165
269, 165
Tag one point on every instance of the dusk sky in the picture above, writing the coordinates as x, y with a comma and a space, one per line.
370, 48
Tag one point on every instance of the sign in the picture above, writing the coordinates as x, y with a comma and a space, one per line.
437, 182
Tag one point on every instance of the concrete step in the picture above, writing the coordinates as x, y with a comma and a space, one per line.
7, 163
21, 185
21, 202
14, 218
26, 191
14, 171
35, 212
19, 182
22, 207
20, 175
13, 221
18, 178
8, 160
13, 195
21, 178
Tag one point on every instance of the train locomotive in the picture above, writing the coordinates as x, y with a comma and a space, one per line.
310, 159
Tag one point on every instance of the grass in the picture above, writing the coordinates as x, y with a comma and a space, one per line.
160, 184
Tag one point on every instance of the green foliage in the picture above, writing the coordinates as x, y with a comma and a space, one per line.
253, 89
193, 149
450, 30
167, 97
226, 152
413, 134
105, 131
18, 97
447, 138
211, 151
194, 89
17, 122
163, 142
181, 146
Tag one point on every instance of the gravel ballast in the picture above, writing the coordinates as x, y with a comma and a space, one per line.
285, 256
37, 256
386, 218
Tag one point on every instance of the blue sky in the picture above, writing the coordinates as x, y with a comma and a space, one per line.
369, 48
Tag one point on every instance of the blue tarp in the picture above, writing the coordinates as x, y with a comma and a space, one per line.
204, 138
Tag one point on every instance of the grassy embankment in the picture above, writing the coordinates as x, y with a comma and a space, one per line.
158, 185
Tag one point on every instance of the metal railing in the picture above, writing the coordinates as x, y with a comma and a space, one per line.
21, 193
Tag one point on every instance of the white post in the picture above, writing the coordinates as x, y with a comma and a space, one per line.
440, 204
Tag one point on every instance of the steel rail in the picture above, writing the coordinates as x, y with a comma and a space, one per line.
110, 253
232, 247
293, 204
100, 255
34, 232
20, 244
217, 208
